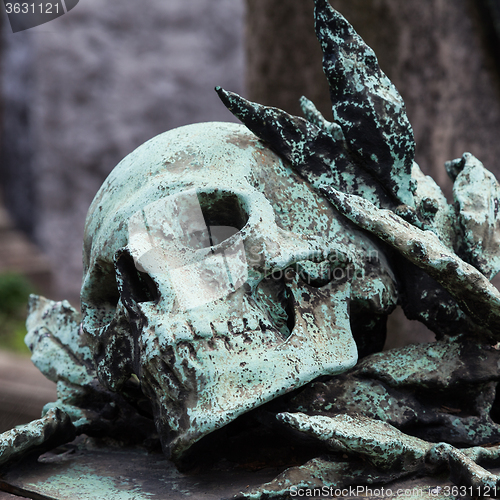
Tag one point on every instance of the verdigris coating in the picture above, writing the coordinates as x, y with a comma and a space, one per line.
245, 274
236, 303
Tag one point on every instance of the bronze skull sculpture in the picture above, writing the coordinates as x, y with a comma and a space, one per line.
226, 269
215, 327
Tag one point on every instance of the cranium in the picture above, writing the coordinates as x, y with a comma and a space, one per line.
192, 253
223, 278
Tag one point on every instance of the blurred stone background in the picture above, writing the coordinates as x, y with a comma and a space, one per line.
81, 92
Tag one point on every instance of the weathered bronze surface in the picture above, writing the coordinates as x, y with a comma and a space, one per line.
82, 470
237, 286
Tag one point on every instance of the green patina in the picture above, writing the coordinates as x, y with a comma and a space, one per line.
225, 269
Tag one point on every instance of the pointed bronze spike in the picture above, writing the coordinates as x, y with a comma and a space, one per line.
473, 292
365, 103
313, 115
313, 152
298, 140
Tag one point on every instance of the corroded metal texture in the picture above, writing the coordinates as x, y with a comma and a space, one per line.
477, 196
60, 352
80, 470
52, 430
389, 455
470, 288
442, 391
365, 104
236, 303
370, 139
445, 257
232, 282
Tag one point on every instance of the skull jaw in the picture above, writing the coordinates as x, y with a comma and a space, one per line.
199, 388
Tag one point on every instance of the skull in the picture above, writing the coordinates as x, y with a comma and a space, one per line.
196, 252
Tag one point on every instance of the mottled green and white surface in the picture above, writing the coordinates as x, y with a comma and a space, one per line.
236, 291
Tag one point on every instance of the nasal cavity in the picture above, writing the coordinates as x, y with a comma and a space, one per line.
135, 285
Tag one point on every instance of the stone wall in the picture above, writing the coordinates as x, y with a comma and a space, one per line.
16, 144
106, 77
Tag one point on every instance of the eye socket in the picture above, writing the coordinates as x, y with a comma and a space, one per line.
224, 216
100, 294
135, 286
218, 234
221, 208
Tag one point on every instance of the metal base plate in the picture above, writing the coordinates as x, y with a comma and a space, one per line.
87, 471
